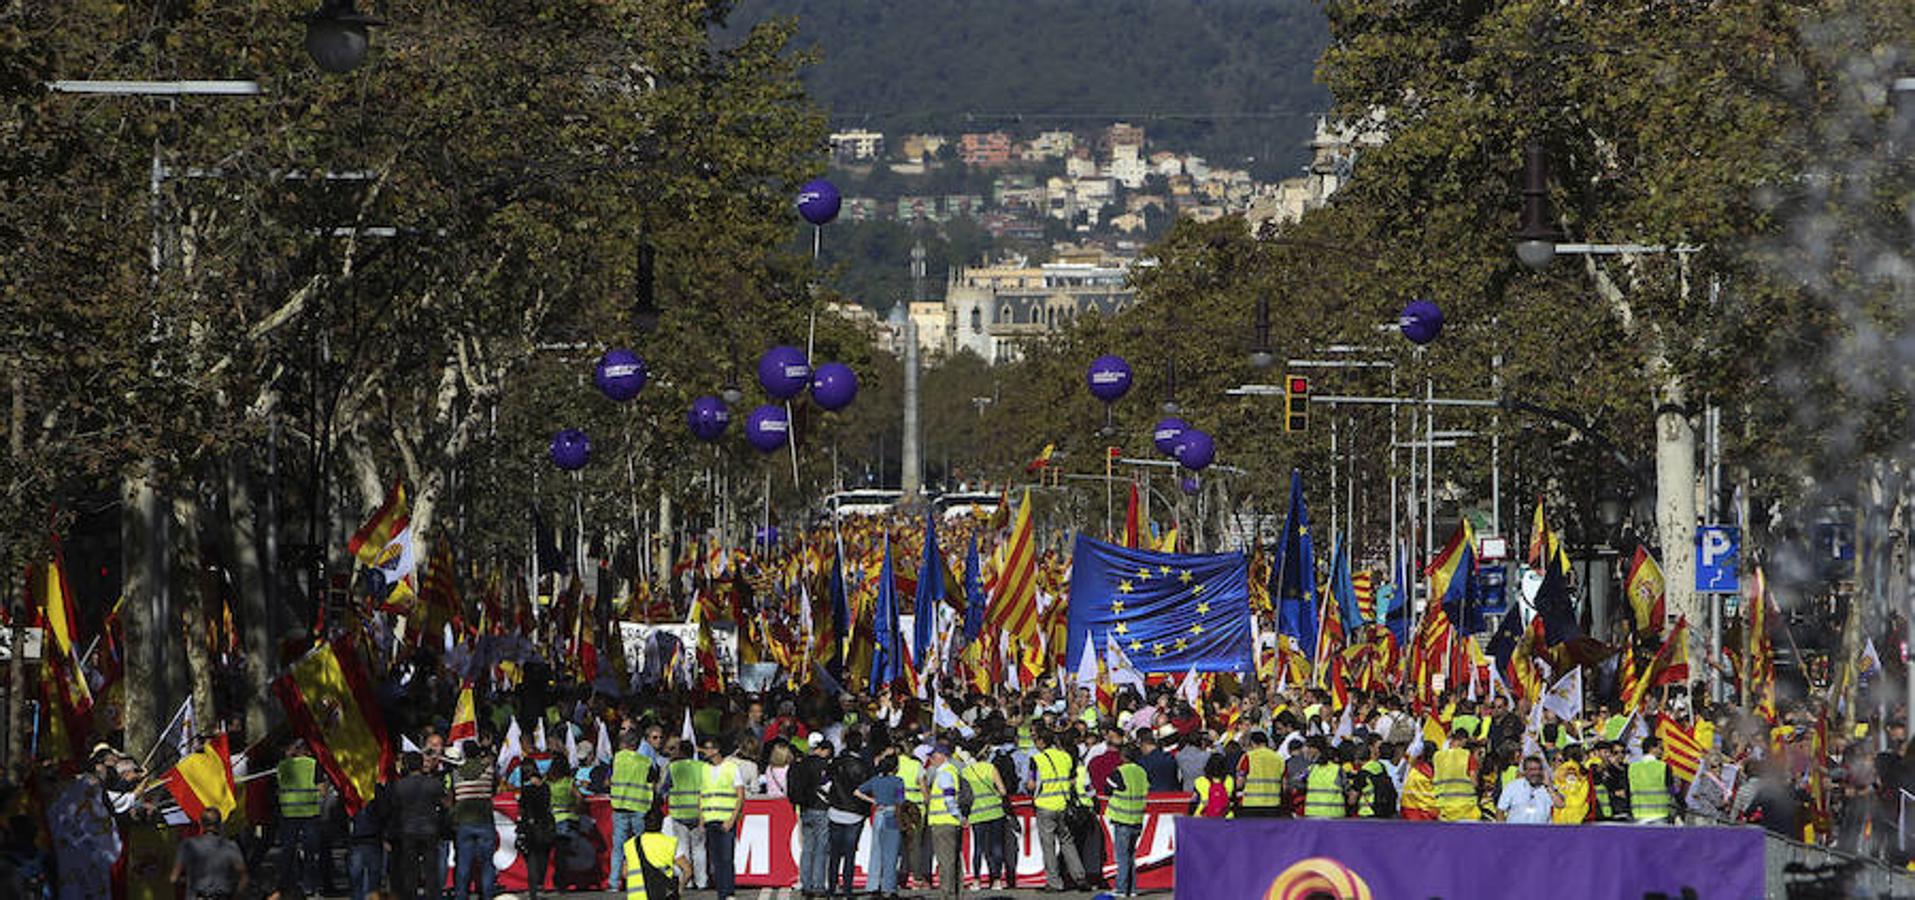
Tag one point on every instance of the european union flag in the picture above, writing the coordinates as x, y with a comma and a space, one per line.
974, 599
1170, 612
887, 657
1293, 583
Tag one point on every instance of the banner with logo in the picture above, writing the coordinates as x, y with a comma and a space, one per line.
1362, 859
768, 844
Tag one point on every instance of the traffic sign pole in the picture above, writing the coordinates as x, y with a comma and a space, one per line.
1718, 550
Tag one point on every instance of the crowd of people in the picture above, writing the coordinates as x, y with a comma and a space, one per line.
931, 782
850, 762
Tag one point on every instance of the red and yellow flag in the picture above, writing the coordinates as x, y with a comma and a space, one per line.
1644, 586
1680, 749
330, 703
1670, 665
52, 603
465, 717
1760, 659
204, 780
387, 521
1013, 606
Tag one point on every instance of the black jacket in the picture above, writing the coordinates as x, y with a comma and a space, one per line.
805, 788
848, 773
416, 801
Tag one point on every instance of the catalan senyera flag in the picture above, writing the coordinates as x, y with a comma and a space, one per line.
465, 717
330, 703
204, 780
1013, 606
1680, 749
1644, 586
1760, 659
52, 602
1538, 538
387, 521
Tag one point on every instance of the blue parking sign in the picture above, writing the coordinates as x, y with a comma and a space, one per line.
1717, 549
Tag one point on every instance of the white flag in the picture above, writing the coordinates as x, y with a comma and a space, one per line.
604, 743
538, 737
1345, 726
511, 748
1191, 690
1565, 697
1087, 663
571, 745
407, 746
1871, 664
397, 560
687, 733
1119, 664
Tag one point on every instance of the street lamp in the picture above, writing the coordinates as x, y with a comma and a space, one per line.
1536, 241
336, 35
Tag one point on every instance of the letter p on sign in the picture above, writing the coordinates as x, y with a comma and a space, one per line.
1717, 547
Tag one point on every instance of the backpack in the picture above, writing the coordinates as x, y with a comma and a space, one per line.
659, 883
967, 796
1382, 795
1216, 800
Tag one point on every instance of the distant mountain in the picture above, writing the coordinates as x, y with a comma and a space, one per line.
1228, 79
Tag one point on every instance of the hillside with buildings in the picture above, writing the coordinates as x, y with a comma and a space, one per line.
985, 241
1230, 80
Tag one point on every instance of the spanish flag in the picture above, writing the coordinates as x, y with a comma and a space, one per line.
53, 605
1043, 460
386, 523
329, 702
465, 719
1645, 589
204, 780
1670, 665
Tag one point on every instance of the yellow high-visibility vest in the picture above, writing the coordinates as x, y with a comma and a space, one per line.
720, 799
1127, 802
1323, 798
1053, 779
631, 774
660, 850
298, 788
1263, 786
1649, 790
1455, 789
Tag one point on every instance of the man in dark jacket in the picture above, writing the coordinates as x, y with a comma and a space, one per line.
366, 845
846, 812
806, 789
417, 799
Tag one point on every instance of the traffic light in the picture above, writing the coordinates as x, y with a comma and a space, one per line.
1296, 403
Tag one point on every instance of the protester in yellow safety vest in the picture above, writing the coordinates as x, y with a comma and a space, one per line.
684, 790
1572, 783
913, 863
1324, 787
944, 819
1376, 793
299, 831
1262, 773
1650, 796
722, 802
658, 860
990, 859
1129, 786
1455, 781
632, 795
1050, 785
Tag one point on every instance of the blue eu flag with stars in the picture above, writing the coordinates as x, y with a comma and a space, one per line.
1171, 612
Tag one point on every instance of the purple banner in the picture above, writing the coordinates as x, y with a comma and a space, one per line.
1356, 859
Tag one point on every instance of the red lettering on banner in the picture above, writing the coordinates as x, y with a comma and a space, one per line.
769, 843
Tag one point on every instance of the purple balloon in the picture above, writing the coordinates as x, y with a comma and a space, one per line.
1167, 432
1108, 377
708, 418
818, 201
767, 428
620, 374
1191, 485
1195, 450
1421, 322
784, 372
571, 449
834, 386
